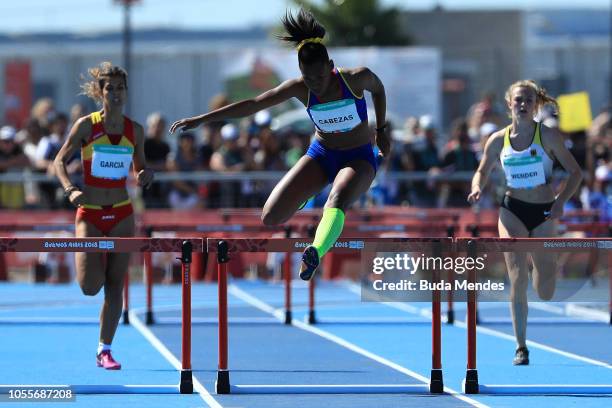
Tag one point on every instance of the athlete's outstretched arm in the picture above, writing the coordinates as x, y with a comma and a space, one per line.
144, 175
286, 90
489, 158
79, 132
370, 82
554, 140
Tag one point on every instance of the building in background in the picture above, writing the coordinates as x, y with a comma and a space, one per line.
478, 51
486, 50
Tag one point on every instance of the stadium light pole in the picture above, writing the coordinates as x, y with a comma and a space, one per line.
127, 39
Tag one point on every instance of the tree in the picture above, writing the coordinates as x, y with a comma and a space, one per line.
358, 22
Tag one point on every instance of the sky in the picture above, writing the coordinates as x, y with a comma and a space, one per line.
22, 16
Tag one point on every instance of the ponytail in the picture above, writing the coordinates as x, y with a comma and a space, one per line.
542, 97
306, 34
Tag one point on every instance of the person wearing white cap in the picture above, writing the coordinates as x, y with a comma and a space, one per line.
263, 118
341, 152
229, 157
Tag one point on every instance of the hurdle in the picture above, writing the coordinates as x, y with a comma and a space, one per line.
597, 228
224, 247
107, 245
470, 384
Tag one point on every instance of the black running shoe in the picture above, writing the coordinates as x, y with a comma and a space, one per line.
310, 262
521, 356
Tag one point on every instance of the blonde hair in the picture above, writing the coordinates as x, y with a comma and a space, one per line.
93, 86
542, 97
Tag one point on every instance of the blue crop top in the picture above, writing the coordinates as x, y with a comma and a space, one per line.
341, 115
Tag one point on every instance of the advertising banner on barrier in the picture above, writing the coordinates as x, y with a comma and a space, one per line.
17, 92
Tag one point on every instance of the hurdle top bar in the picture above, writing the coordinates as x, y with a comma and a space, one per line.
100, 244
342, 245
534, 244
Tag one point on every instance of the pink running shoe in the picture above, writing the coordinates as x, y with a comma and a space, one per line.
106, 360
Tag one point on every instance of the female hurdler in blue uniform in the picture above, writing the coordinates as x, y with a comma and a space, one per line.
341, 153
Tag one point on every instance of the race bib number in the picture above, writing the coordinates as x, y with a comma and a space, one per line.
111, 162
524, 172
337, 116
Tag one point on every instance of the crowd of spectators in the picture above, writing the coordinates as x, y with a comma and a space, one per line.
420, 147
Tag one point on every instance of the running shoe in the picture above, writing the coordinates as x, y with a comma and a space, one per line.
106, 360
310, 262
521, 356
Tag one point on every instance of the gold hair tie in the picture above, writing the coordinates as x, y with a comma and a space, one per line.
309, 40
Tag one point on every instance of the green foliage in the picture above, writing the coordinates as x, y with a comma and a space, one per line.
358, 22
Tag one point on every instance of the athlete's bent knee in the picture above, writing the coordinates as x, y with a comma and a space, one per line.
546, 293
90, 290
270, 218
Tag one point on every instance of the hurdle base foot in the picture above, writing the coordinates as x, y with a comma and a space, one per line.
149, 318
288, 317
126, 317
311, 317
450, 317
436, 383
470, 385
186, 385
222, 385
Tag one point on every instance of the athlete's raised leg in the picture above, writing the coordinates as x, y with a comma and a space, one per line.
305, 179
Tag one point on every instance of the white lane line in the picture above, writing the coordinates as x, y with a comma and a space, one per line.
239, 293
534, 344
159, 346
495, 333
573, 309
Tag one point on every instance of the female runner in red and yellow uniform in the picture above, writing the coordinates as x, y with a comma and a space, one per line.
110, 143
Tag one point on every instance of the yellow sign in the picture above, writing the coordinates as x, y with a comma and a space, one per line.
574, 112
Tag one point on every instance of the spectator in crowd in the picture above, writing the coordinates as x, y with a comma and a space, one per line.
600, 196
29, 137
599, 143
156, 153
458, 158
492, 193
77, 111
184, 194
12, 160
425, 158
483, 111
58, 125
268, 156
47, 149
295, 148
41, 111
486, 130
230, 158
